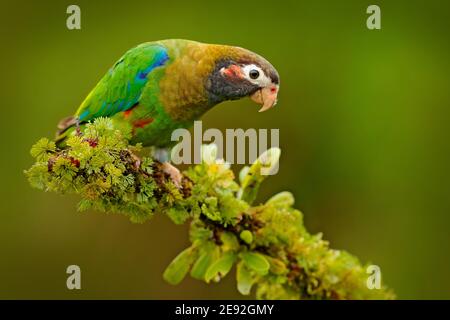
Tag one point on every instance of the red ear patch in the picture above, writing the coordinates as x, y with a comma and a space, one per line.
233, 71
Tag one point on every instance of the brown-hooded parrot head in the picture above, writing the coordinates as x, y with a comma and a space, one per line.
240, 73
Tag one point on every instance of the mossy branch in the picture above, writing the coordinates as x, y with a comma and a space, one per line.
267, 243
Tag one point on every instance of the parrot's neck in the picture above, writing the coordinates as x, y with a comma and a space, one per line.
183, 87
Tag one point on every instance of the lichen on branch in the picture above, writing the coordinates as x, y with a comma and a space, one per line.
267, 243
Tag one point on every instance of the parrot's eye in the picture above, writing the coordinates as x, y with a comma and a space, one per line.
254, 74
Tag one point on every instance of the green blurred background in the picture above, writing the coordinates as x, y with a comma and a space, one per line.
363, 118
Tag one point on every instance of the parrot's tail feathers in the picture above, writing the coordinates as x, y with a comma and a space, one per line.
66, 123
60, 139
63, 126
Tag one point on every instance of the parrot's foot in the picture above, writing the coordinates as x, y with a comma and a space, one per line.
77, 126
173, 172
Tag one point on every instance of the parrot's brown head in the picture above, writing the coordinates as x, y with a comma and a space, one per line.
239, 73
202, 75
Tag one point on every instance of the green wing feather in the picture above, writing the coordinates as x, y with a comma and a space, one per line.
121, 88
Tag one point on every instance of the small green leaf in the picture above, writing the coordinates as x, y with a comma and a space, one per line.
177, 215
179, 267
282, 199
269, 161
198, 232
202, 264
246, 236
256, 262
42, 148
229, 241
244, 279
243, 173
277, 266
210, 209
221, 266
209, 153
264, 166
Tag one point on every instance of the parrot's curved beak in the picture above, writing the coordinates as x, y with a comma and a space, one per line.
267, 97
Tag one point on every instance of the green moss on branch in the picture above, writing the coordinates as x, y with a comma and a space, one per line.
267, 243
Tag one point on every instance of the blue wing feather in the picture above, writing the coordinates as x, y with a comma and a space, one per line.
121, 88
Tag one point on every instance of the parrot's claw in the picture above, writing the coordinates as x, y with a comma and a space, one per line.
77, 126
173, 172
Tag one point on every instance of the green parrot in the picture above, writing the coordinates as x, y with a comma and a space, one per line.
161, 86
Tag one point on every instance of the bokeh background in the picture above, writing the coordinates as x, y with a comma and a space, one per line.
363, 118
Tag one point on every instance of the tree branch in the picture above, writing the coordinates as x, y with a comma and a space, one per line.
268, 242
